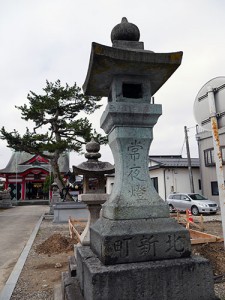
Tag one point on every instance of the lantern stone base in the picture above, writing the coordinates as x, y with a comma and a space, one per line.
184, 278
126, 241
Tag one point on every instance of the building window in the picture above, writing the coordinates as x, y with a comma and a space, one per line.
155, 183
223, 153
199, 184
209, 156
214, 188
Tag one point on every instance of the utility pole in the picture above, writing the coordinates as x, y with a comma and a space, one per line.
189, 160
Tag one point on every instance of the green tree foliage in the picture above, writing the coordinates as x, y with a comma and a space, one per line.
57, 125
47, 183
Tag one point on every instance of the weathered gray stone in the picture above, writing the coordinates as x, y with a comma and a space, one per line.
128, 44
133, 195
126, 241
125, 31
55, 197
129, 123
72, 266
70, 288
64, 210
94, 198
120, 114
5, 199
94, 204
136, 251
158, 66
175, 279
93, 169
6, 203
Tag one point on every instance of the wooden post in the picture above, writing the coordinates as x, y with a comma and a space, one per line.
178, 216
202, 222
187, 219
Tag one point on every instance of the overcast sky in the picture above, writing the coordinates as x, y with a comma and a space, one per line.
51, 39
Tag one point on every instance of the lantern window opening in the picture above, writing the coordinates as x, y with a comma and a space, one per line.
132, 90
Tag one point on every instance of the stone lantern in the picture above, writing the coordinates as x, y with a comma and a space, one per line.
136, 250
92, 169
55, 197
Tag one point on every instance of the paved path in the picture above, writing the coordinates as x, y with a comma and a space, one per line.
16, 226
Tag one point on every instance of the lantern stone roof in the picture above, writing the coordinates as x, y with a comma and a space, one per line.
127, 57
23, 161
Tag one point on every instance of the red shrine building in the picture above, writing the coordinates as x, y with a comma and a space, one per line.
25, 175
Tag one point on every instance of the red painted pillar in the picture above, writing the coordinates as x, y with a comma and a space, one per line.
6, 183
23, 193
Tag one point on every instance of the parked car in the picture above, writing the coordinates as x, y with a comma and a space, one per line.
196, 203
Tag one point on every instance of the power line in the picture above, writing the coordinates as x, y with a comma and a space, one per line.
182, 148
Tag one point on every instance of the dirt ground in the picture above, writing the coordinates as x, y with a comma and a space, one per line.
46, 261
49, 254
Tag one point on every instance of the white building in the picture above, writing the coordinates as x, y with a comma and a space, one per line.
169, 174
207, 162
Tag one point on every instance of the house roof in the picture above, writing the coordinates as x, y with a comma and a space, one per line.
172, 161
19, 163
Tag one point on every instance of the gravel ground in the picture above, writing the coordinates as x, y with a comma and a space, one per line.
42, 271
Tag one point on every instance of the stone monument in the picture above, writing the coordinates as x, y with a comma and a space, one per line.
136, 250
5, 199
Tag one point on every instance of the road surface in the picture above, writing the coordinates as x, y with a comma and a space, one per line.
16, 226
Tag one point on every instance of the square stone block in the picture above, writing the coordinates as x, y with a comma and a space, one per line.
175, 279
124, 241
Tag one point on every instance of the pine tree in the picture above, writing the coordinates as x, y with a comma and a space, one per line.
57, 125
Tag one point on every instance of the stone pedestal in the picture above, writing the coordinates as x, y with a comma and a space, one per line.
64, 210
126, 241
171, 279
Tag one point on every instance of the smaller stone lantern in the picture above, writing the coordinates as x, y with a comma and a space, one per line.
94, 196
55, 197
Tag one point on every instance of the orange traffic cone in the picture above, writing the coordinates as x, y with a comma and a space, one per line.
190, 216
